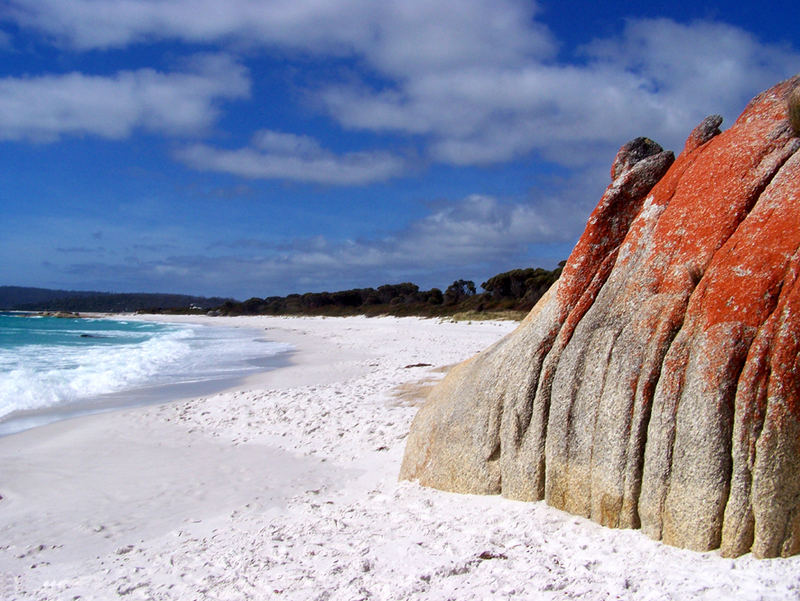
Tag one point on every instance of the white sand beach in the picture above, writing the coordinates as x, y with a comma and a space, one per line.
286, 488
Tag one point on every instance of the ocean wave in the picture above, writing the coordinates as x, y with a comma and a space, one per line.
48, 376
39, 376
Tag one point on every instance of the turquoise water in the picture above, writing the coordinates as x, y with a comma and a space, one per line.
18, 330
52, 368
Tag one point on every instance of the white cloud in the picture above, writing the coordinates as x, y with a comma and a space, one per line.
476, 82
702, 66
474, 229
660, 78
275, 155
396, 36
91, 24
43, 108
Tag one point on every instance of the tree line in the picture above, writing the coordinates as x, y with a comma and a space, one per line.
515, 290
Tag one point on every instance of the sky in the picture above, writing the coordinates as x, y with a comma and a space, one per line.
265, 147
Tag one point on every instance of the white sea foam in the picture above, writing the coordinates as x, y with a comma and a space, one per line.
36, 377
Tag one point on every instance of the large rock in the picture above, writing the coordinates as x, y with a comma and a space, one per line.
657, 384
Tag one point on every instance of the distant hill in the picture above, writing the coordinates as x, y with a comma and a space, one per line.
43, 299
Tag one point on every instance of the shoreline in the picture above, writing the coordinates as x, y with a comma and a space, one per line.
310, 361
286, 488
143, 394
81, 491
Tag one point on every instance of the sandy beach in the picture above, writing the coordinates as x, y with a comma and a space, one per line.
286, 488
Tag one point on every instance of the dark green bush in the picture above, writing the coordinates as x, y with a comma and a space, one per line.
458, 291
435, 296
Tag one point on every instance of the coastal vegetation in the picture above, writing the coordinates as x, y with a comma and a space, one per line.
506, 295
509, 294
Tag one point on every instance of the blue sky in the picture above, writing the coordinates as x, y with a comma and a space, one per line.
254, 148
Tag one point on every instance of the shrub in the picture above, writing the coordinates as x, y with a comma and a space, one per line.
793, 106
435, 296
458, 291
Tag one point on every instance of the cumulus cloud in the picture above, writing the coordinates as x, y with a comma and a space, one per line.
102, 24
659, 78
480, 84
45, 107
395, 36
474, 229
276, 155
694, 69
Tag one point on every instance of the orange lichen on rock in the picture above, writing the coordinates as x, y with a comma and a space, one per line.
657, 385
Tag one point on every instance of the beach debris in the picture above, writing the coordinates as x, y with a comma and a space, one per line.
491, 555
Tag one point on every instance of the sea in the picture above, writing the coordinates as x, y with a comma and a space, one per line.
56, 368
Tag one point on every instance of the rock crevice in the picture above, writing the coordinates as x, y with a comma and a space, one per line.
655, 384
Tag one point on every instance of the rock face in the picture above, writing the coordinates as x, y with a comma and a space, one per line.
657, 384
